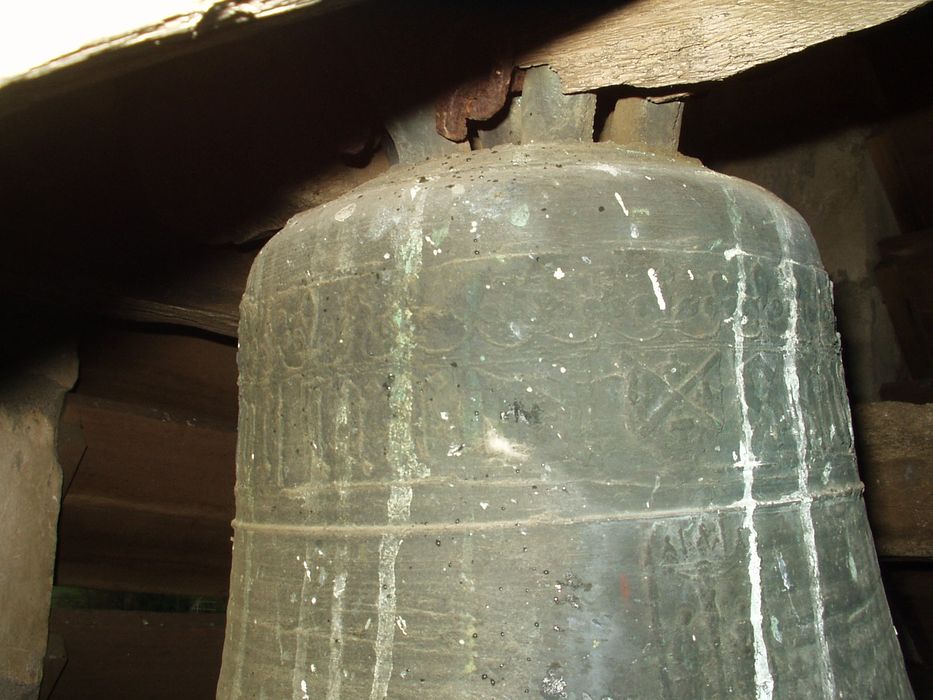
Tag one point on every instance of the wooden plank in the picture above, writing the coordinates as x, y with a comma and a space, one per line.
136, 453
93, 27
121, 546
139, 655
222, 321
188, 377
150, 507
895, 444
199, 288
151, 504
659, 43
647, 43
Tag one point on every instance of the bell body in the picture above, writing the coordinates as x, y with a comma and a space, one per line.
559, 422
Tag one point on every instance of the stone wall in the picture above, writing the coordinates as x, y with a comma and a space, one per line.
30, 491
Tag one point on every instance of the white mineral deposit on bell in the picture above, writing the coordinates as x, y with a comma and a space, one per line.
346, 212
656, 286
500, 446
776, 630
621, 203
606, 168
853, 571
520, 215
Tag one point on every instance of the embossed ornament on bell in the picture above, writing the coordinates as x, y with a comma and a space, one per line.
549, 421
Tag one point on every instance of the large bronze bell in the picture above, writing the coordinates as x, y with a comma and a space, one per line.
552, 420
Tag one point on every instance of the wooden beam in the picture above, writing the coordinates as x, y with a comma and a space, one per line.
201, 288
151, 503
140, 655
895, 444
222, 321
202, 291
187, 377
93, 27
120, 545
143, 455
150, 507
658, 43
646, 43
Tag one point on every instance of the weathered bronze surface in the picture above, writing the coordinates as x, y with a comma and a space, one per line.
559, 422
